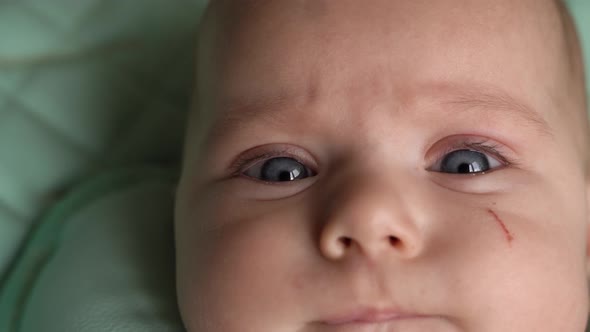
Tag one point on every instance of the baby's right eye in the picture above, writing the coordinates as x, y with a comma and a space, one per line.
281, 169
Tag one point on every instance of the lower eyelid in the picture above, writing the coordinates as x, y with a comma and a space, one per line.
251, 189
493, 182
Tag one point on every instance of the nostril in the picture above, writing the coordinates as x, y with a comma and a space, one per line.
394, 241
347, 241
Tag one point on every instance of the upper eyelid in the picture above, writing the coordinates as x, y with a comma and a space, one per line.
477, 142
495, 150
251, 157
482, 147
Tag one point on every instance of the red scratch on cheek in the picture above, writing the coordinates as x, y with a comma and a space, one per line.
509, 236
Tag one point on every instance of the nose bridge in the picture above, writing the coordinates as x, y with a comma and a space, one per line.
369, 215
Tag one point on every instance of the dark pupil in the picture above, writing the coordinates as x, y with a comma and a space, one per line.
465, 162
283, 169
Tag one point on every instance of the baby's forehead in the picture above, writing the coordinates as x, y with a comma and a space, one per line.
246, 29
250, 40
240, 13
262, 47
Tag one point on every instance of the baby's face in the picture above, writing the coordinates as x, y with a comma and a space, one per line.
384, 166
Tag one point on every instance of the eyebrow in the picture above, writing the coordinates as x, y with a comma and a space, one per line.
238, 112
498, 101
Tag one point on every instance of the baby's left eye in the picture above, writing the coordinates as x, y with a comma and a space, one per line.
466, 162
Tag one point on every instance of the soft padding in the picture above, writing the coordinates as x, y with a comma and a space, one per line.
101, 260
84, 85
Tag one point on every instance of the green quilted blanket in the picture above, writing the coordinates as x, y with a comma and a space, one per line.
86, 85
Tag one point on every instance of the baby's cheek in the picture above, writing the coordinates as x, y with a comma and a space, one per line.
515, 254
542, 267
243, 267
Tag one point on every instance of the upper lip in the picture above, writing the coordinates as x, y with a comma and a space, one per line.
370, 315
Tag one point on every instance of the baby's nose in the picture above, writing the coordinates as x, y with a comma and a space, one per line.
369, 217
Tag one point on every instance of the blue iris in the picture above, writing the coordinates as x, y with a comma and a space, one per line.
465, 162
283, 169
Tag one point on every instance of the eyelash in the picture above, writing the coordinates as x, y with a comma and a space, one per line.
237, 167
484, 146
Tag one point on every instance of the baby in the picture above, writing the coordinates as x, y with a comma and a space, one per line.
386, 166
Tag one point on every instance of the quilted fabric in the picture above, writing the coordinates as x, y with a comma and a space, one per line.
84, 85
101, 259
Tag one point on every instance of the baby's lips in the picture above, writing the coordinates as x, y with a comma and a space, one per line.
370, 315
